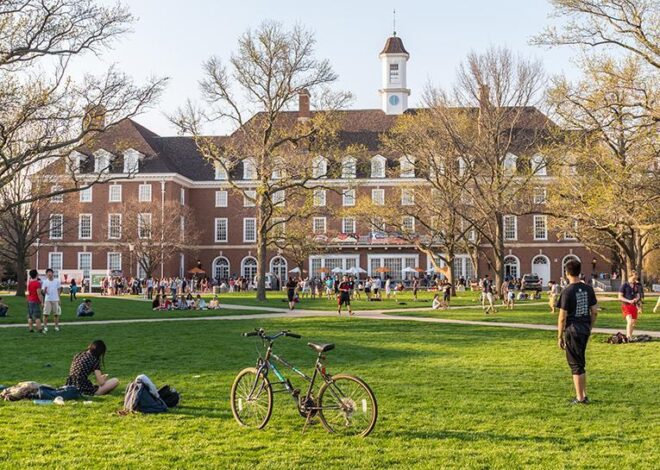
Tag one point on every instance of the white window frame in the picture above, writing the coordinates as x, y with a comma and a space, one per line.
539, 218
221, 198
110, 216
250, 198
102, 161
570, 235
510, 163
540, 195
249, 169
348, 197
54, 266
80, 226
378, 166
182, 196
320, 220
378, 197
319, 197
52, 226
59, 198
348, 222
145, 192
132, 161
407, 197
109, 256
349, 167
80, 264
247, 239
279, 198
144, 223
539, 165
115, 192
221, 172
395, 76
408, 223
319, 167
407, 166
515, 227
87, 195
218, 238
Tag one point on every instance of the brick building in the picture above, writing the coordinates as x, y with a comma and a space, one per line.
171, 169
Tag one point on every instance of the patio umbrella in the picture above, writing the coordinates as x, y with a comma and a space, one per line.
324, 270
356, 270
337, 270
294, 270
383, 269
419, 270
196, 271
408, 270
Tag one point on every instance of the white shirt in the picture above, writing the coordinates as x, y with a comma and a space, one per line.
51, 290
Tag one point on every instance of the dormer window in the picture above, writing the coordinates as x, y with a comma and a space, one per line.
220, 172
348, 167
378, 166
319, 167
132, 161
249, 169
510, 163
407, 166
539, 166
75, 161
102, 161
462, 166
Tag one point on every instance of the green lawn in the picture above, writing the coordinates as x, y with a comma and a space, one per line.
609, 316
449, 396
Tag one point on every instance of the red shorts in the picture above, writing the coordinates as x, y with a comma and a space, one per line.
629, 309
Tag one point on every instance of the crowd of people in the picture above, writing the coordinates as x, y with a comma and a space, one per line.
181, 302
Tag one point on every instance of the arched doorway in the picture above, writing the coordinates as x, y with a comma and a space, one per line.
541, 267
511, 267
220, 268
279, 268
566, 259
249, 268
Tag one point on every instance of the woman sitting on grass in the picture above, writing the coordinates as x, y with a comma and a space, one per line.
155, 304
214, 303
84, 364
200, 304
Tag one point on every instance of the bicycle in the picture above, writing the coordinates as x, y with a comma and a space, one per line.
345, 404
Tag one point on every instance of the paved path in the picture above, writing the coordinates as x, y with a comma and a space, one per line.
370, 315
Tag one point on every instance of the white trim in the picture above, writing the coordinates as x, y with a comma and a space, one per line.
542, 217
215, 230
50, 227
214, 263
107, 259
245, 220
91, 221
121, 190
91, 258
110, 226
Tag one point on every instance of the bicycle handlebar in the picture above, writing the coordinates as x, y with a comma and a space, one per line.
261, 333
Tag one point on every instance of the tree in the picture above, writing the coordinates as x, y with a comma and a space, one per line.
491, 132
154, 232
41, 106
297, 242
280, 153
610, 189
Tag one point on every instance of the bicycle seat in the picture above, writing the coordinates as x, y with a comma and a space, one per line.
321, 347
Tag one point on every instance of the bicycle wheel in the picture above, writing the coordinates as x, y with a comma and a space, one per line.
347, 406
251, 399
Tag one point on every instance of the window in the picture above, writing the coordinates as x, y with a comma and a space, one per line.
319, 167
114, 261
407, 197
510, 163
249, 230
182, 196
55, 262
540, 195
221, 226
86, 195
59, 198
220, 268
348, 225
56, 226
408, 223
540, 227
510, 228
249, 169
114, 193
394, 73
221, 199
102, 161
319, 225
144, 193
114, 226
131, 161
278, 228
249, 198
144, 225
377, 224
378, 197
348, 197
348, 167
572, 235
85, 226
319, 197
378, 167
85, 263
220, 172
407, 167
539, 166
279, 197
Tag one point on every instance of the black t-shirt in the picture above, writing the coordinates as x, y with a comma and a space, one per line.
488, 286
291, 285
577, 299
344, 287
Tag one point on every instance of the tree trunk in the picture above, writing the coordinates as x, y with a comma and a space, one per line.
261, 265
20, 277
498, 253
450, 274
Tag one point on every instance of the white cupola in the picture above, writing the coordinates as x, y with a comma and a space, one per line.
393, 59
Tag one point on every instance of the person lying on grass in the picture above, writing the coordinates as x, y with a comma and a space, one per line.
86, 362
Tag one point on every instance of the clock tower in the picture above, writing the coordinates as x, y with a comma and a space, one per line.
393, 60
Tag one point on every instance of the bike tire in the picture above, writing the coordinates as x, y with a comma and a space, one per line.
250, 413
341, 406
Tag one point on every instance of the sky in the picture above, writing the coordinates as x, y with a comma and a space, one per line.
173, 37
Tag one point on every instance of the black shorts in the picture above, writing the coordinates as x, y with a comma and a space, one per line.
344, 299
290, 294
576, 337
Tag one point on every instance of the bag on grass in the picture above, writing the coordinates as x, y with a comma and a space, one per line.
169, 395
140, 398
68, 392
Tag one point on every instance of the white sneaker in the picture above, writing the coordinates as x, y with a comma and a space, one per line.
57, 328
45, 330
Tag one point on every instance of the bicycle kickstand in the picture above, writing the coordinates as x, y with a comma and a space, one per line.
308, 421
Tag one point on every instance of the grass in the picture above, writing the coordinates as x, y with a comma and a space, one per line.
449, 396
609, 316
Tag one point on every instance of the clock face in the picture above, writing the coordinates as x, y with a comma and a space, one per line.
394, 100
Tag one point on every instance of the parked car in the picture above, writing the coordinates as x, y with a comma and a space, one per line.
531, 282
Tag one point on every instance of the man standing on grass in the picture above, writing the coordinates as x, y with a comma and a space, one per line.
34, 301
344, 296
52, 290
577, 316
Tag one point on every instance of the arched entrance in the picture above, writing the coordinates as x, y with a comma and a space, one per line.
220, 268
279, 268
249, 268
511, 267
541, 267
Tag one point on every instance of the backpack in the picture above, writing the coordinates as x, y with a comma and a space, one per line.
138, 398
169, 395
618, 338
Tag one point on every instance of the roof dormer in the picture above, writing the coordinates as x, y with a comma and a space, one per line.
132, 159
102, 161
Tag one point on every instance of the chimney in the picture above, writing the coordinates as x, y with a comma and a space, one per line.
303, 106
484, 103
94, 119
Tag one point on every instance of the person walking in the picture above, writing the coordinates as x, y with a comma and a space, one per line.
291, 292
577, 317
415, 288
344, 296
487, 295
52, 288
553, 294
73, 290
35, 301
630, 298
